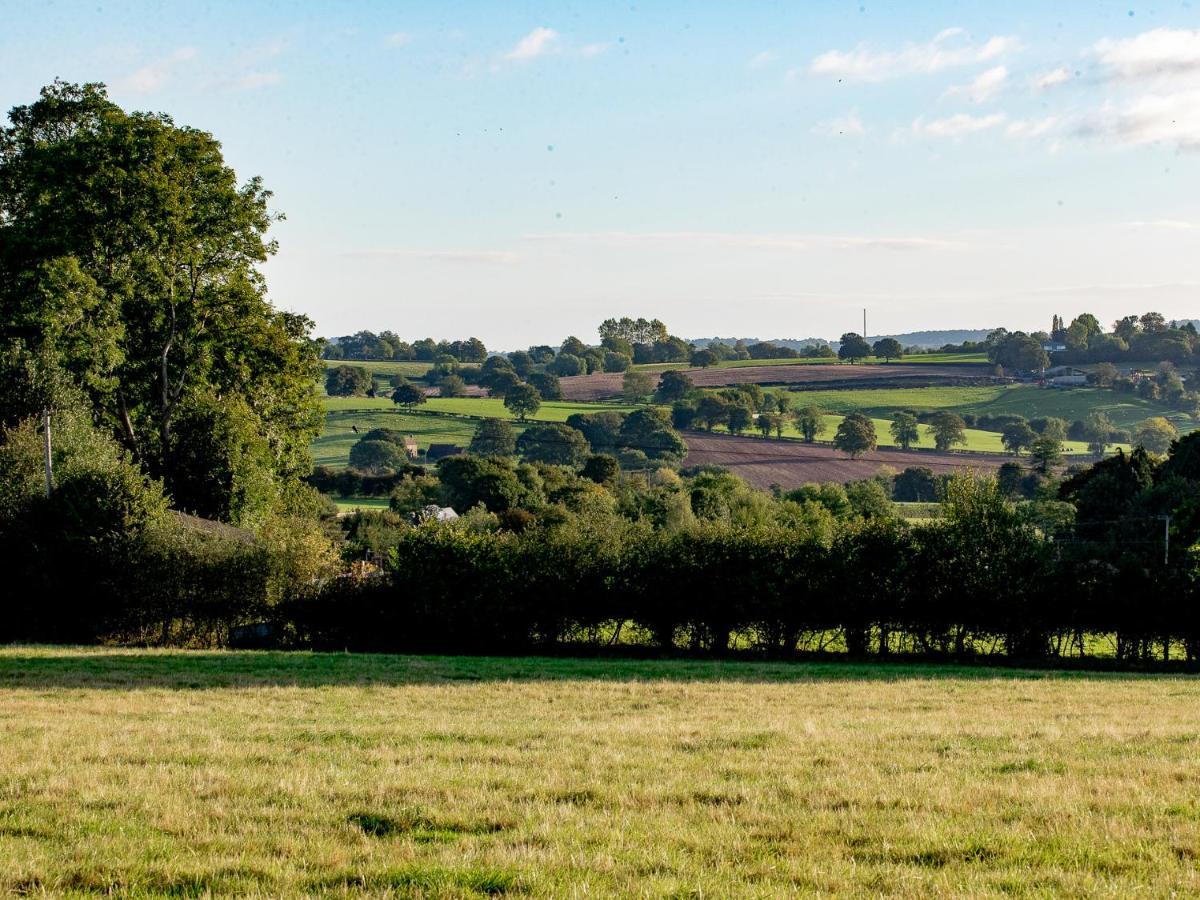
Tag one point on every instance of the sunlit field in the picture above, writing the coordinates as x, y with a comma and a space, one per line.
170, 773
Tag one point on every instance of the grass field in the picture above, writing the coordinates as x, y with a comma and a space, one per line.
353, 504
1026, 400
407, 368
138, 773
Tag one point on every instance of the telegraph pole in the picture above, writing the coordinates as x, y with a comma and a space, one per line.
49, 459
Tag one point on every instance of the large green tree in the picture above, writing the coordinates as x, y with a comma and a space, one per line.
131, 254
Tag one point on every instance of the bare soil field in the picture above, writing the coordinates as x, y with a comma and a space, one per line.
790, 464
603, 386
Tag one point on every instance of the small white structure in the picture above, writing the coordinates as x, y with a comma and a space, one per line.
435, 513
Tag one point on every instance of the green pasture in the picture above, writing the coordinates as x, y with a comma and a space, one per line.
1030, 401
135, 773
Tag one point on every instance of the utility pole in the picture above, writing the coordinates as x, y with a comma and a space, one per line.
49, 459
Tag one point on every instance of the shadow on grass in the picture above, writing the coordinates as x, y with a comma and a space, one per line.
41, 668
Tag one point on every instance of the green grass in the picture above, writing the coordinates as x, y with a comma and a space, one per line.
1126, 411
353, 504
439, 421
407, 368
332, 448
143, 773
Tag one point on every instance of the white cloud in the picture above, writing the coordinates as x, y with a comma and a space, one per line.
849, 125
398, 39
1150, 119
590, 50
982, 88
1031, 128
958, 126
1162, 52
154, 76
762, 59
537, 43
1053, 78
951, 48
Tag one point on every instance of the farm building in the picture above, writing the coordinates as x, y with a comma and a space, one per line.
1064, 376
410, 447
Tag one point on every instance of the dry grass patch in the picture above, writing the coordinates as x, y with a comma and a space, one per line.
176, 774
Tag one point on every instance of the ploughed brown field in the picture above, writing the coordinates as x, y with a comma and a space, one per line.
790, 464
608, 384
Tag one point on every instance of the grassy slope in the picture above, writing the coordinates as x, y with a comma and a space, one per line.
1025, 400
410, 369
147, 773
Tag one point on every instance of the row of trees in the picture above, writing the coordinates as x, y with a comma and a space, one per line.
702, 563
367, 345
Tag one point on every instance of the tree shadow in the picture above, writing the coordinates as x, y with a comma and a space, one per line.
50, 668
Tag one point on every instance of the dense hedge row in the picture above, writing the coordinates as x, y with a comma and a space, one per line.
981, 581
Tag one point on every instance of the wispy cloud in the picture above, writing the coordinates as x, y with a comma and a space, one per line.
1032, 128
154, 76
464, 257
951, 48
700, 239
1151, 54
537, 43
982, 88
1052, 79
762, 59
590, 50
397, 39
1156, 79
849, 125
958, 126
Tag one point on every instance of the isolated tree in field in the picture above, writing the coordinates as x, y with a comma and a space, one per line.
637, 386
1019, 352
493, 437
947, 429
408, 396
702, 359
712, 410
377, 457
855, 435
523, 401
905, 430
1046, 453
768, 421
554, 444
1097, 431
672, 387
853, 347
810, 421
887, 349
347, 381
452, 386
1156, 435
739, 419
1017, 436
650, 431
616, 362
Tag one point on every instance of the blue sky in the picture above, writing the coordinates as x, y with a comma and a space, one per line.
521, 171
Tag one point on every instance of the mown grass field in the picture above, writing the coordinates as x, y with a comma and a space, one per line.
441, 420
144, 773
1126, 411
407, 368
921, 359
